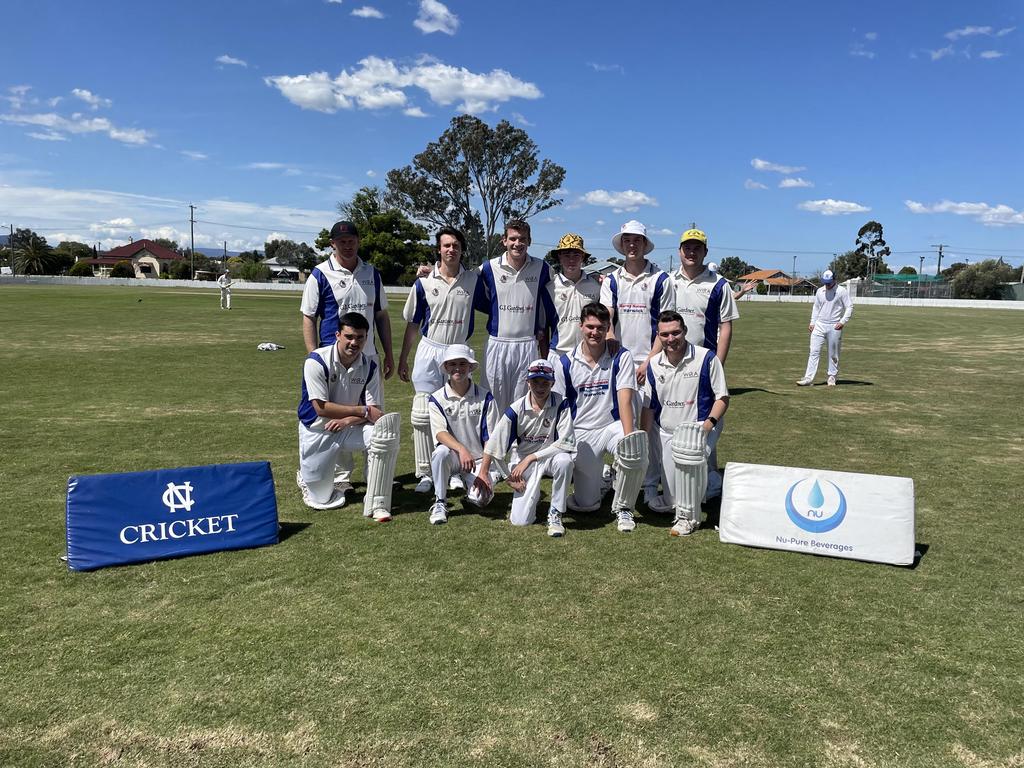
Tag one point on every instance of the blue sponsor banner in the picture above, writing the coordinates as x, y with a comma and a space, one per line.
139, 516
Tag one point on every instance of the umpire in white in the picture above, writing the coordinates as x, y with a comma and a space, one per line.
832, 311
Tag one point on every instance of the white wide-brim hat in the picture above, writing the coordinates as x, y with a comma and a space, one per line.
458, 352
632, 228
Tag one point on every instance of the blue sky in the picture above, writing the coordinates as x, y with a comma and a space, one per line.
779, 128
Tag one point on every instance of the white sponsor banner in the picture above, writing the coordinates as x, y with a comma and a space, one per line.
815, 511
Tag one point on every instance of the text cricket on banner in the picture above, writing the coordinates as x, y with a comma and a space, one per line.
821, 512
134, 517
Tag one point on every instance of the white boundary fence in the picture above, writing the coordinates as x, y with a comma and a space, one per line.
397, 290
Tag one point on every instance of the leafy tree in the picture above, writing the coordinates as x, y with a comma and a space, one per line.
255, 272
180, 270
871, 244
323, 240
733, 267
954, 269
32, 256
294, 254
123, 268
250, 256
983, 280
172, 244
907, 271
474, 163
68, 252
81, 269
855, 264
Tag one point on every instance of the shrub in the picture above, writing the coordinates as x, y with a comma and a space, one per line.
81, 269
123, 269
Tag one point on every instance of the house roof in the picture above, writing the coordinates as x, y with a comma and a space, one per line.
764, 274
132, 249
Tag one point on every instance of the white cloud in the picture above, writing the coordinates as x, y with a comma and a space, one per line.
1005, 31
519, 118
956, 34
832, 207
552, 220
870, 35
751, 184
858, 49
600, 222
334, 2
47, 136
371, 174
765, 165
989, 215
90, 98
606, 67
794, 183
367, 12
78, 124
435, 17
379, 84
619, 202
225, 59
991, 55
265, 166
192, 154
414, 112
664, 231
941, 53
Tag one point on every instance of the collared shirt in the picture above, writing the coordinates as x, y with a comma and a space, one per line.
831, 306
544, 434
331, 291
516, 302
705, 303
443, 310
224, 281
594, 392
470, 419
687, 391
325, 377
569, 298
637, 302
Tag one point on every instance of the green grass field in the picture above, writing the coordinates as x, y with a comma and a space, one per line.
355, 644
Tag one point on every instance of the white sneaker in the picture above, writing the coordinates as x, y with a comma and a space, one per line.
626, 523
555, 527
831, 381
425, 485
607, 479
439, 513
455, 483
381, 515
684, 526
336, 500
805, 382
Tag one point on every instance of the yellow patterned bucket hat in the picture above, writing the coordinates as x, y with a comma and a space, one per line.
569, 242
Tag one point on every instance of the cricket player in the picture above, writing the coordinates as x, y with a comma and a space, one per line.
686, 398
537, 431
340, 410
440, 311
702, 297
601, 387
570, 290
513, 294
832, 311
224, 281
462, 418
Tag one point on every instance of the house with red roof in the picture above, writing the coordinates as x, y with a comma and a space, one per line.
777, 281
149, 259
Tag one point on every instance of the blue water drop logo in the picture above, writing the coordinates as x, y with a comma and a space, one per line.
816, 498
813, 517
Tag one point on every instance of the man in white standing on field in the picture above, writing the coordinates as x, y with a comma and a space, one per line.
570, 290
440, 311
224, 281
832, 311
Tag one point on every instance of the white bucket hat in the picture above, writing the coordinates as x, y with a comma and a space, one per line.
458, 352
632, 228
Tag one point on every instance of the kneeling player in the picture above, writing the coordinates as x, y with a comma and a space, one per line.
602, 389
462, 417
340, 411
537, 429
687, 396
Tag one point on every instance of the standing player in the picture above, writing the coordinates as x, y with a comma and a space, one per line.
601, 386
570, 290
832, 311
462, 418
703, 298
440, 310
513, 294
537, 430
340, 410
224, 281
687, 397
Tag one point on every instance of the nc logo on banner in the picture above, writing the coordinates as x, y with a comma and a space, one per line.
816, 508
178, 497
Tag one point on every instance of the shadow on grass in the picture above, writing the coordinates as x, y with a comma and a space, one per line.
286, 530
744, 390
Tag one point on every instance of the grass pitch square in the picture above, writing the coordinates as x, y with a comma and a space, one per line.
354, 644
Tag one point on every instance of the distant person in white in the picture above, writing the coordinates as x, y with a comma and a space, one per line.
224, 281
832, 311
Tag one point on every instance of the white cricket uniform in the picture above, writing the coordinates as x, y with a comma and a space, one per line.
470, 420
831, 306
569, 299
444, 313
705, 303
331, 291
594, 395
681, 393
224, 281
518, 307
549, 434
325, 377
636, 303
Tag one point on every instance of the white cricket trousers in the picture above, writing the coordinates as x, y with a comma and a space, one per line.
524, 504
591, 446
225, 298
819, 336
505, 364
427, 374
319, 453
444, 462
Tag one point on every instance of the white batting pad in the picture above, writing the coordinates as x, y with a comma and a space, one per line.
630, 467
382, 453
689, 478
422, 440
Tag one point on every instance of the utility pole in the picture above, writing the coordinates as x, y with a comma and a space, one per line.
192, 231
225, 253
10, 247
792, 278
920, 266
938, 269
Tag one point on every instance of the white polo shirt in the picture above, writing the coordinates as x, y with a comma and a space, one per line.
705, 303
637, 302
545, 433
517, 303
831, 306
687, 391
443, 310
594, 392
569, 299
469, 419
325, 377
331, 291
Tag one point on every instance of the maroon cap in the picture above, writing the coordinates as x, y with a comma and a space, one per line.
343, 229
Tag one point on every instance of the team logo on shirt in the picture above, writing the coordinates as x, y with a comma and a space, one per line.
547, 423
343, 284
435, 292
503, 278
